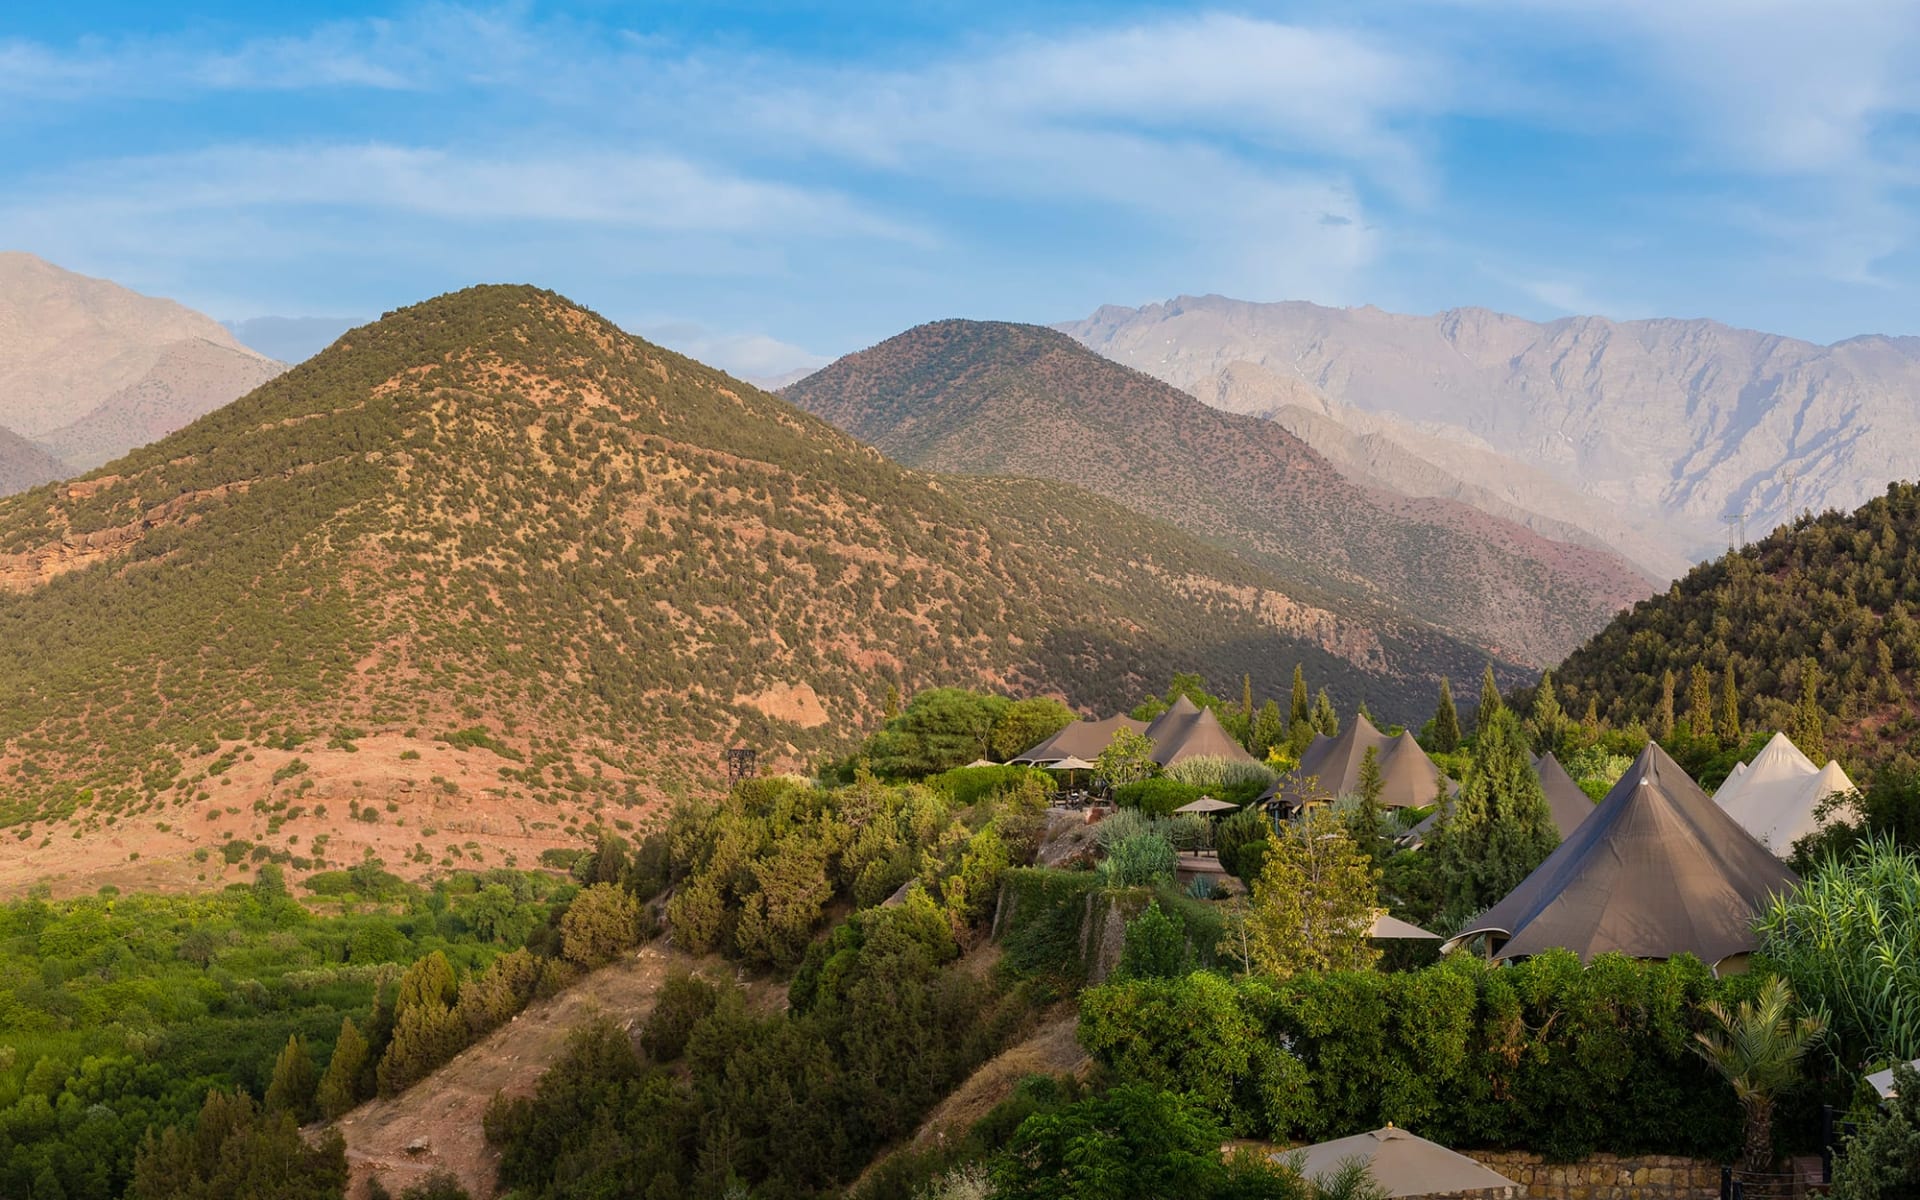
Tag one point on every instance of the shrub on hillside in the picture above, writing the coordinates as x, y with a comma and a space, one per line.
1156, 797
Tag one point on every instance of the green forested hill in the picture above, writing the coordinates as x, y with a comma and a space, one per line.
1836, 594
992, 398
494, 520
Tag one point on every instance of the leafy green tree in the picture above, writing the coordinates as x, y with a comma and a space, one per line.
425, 1030
339, 1088
1267, 730
1499, 828
294, 1081
1490, 701
1757, 1047
236, 1152
602, 921
1248, 827
684, 1000
1446, 721
1314, 902
1128, 758
940, 729
1326, 719
1155, 947
1027, 723
1882, 1160
1301, 712
1129, 1143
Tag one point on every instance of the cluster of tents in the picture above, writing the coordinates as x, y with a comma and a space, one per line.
1184, 731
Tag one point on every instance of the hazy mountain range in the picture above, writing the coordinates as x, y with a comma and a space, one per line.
90, 370
990, 398
1642, 435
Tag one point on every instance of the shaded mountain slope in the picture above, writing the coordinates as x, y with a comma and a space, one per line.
1841, 591
989, 398
495, 530
24, 464
1676, 421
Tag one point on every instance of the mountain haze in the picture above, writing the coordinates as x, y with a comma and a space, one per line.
986, 398
1671, 424
89, 370
489, 564
24, 465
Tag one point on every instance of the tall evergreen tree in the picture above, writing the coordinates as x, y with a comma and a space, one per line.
1592, 719
1730, 732
1300, 714
1367, 713
1446, 721
292, 1087
1268, 731
1663, 713
1809, 722
1246, 698
1499, 828
1490, 701
1325, 719
1548, 719
1700, 702
1367, 824
340, 1086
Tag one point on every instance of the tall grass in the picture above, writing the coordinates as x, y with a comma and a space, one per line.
1849, 940
1221, 773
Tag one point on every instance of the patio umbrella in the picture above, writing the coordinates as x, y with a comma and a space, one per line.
1403, 1164
1394, 929
1070, 764
1207, 805
983, 762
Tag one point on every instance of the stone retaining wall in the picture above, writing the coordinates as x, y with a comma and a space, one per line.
1606, 1176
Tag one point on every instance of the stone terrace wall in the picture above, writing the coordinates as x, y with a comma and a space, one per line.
1606, 1176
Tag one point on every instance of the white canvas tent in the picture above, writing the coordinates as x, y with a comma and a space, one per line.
1776, 796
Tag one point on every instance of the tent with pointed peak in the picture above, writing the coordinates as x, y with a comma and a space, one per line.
1569, 805
1196, 733
1776, 796
1408, 778
1082, 739
1658, 870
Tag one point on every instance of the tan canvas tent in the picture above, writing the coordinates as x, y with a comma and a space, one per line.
1403, 1165
1658, 870
1408, 778
1194, 733
1569, 805
1775, 796
1082, 739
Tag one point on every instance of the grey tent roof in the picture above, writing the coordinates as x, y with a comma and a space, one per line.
1882, 1081
1390, 928
1171, 721
1402, 1164
1197, 734
1657, 870
1569, 805
1408, 778
1082, 739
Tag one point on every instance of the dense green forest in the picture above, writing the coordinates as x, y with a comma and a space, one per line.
1822, 615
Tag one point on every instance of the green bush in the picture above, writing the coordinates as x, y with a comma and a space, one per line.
967, 786
1141, 860
1156, 797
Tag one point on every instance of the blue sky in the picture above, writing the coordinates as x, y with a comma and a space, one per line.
768, 185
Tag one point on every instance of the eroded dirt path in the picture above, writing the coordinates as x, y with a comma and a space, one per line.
435, 1125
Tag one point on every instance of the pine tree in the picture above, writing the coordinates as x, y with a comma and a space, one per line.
1663, 715
890, 707
1592, 720
1446, 721
1246, 697
1548, 718
1700, 702
1490, 701
1730, 732
1325, 719
1809, 722
1367, 713
1367, 825
1299, 715
292, 1087
1499, 828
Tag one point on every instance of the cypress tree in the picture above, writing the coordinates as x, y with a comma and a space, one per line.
1663, 715
340, 1086
1246, 698
292, 1087
1592, 719
1299, 715
1367, 713
1267, 730
1367, 824
1700, 702
1547, 715
1809, 722
1730, 732
1490, 701
1446, 721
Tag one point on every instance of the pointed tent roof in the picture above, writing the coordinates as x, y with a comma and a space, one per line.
1082, 739
1402, 1164
1171, 721
1657, 870
1569, 805
1197, 736
1408, 778
1776, 796
1335, 761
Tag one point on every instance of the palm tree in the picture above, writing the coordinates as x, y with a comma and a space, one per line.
1757, 1048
